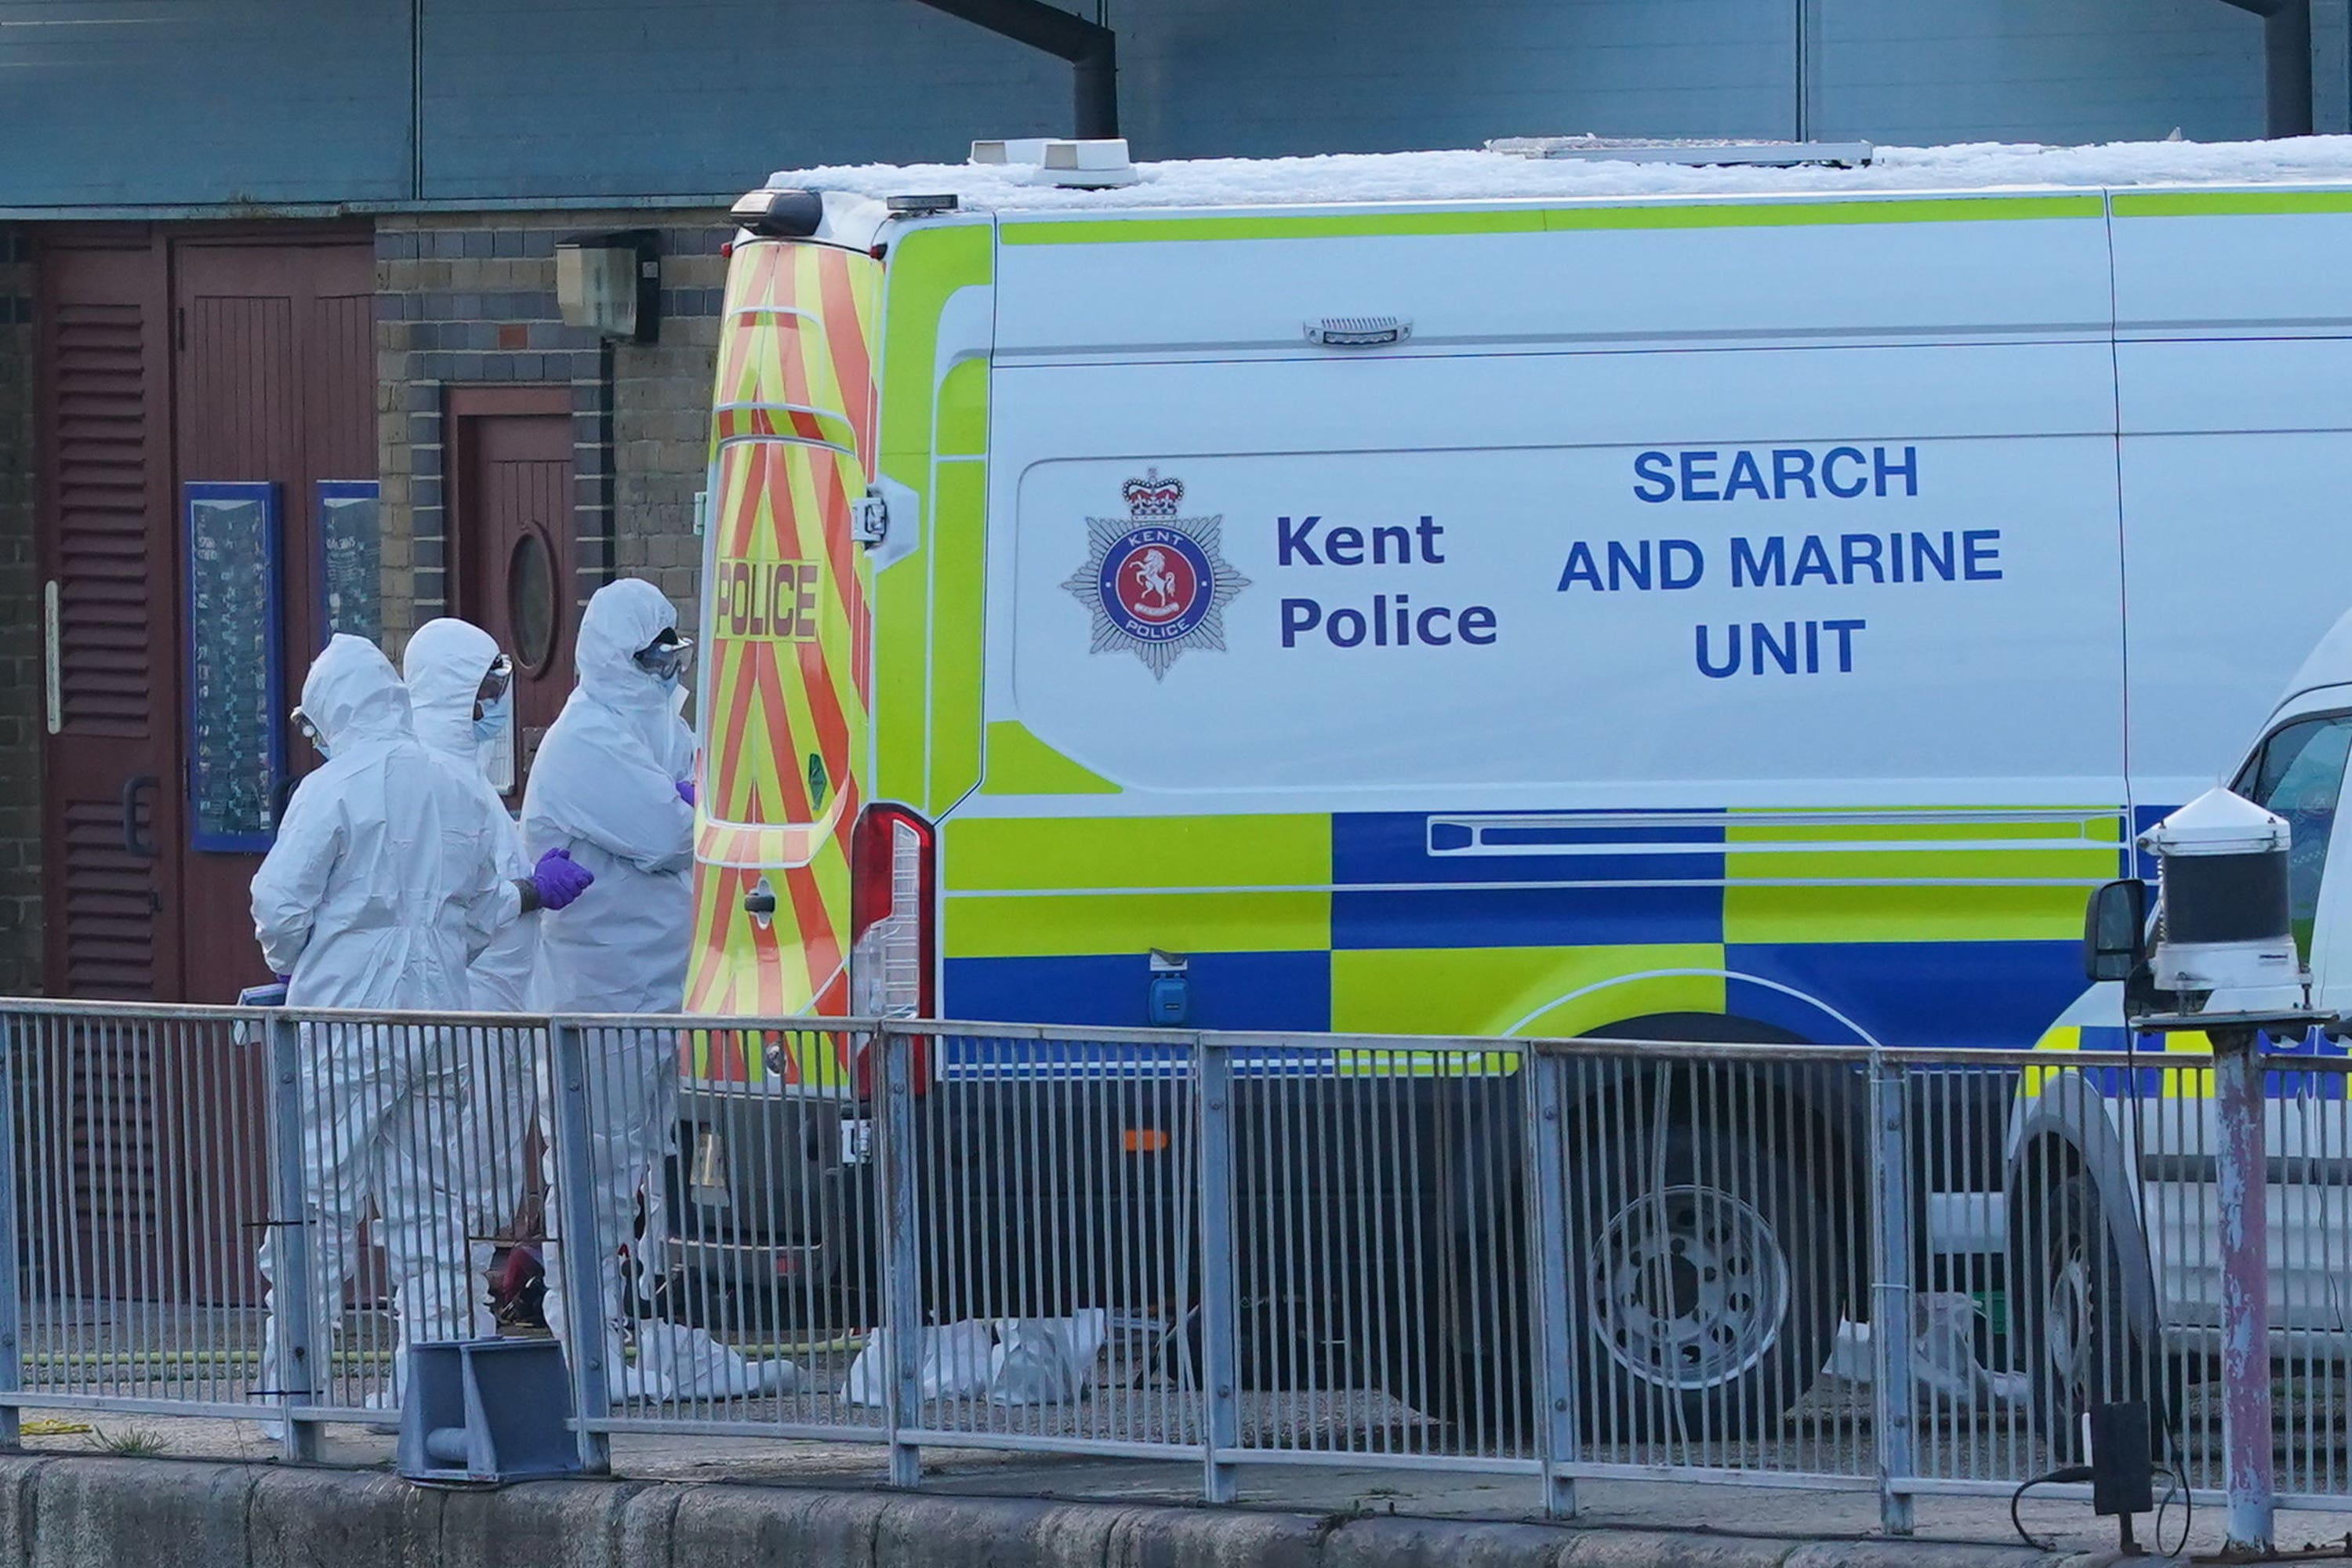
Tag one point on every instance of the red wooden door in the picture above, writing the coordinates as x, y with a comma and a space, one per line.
110, 766
275, 381
163, 361
511, 533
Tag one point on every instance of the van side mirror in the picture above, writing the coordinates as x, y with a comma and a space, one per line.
2115, 931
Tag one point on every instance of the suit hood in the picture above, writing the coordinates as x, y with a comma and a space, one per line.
352, 694
444, 665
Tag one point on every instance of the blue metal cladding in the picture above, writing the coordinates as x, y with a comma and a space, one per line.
230, 102
2058, 71
106, 102
526, 97
1219, 77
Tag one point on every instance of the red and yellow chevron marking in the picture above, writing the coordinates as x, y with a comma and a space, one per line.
789, 665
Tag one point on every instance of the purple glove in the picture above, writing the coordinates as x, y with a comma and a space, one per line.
559, 878
686, 791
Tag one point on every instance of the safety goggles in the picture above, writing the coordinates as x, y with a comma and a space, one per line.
495, 684
668, 658
309, 731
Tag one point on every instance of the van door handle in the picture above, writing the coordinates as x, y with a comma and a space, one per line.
132, 788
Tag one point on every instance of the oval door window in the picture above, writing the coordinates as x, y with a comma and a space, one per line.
531, 606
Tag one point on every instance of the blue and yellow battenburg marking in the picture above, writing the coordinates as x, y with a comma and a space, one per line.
1913, 926
2095, 1023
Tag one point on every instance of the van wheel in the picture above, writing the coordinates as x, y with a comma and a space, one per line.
2080, 1345
1706, 1307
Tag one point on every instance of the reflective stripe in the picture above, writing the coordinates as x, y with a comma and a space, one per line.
789, 678
1529, 991
1958, 874
2230, 203
1698, 214
928, 656
955, 552
1021, 763
1038, 853
1046, 925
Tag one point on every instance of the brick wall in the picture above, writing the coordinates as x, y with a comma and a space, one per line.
20, 644
464, 300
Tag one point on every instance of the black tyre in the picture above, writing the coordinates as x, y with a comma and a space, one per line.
1467, 1355
1707, 1279
2077, 1334
1460, 1334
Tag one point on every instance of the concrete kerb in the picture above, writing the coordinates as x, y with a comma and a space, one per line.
723, 1525
19, 1494
1149, 1537
105, 1512
69, 1512
603, 1526
310, 1519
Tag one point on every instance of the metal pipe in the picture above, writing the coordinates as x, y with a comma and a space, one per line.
579, 1261
12, 1372
1891, 1293
2245, 1291
1092, 49
2286, 64
902, 1306
1555, 1379
1213, 1079
293, 1380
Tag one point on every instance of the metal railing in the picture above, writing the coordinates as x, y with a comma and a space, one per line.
1905, 1270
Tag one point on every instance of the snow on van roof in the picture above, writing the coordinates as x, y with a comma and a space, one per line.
1352, 179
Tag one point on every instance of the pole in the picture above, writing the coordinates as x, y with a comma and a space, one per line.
2287, 65
580, 1251
294, 1379
12, 1378
1890, 1294
1091, 48
2245, 1289
1220, 1365
1555, 1380
902, 1300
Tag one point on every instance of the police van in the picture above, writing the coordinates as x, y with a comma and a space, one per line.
1485, 594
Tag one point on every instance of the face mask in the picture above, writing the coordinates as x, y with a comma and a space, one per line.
490, 726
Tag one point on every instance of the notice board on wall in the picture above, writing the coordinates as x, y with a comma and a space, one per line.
236, 723
351, 558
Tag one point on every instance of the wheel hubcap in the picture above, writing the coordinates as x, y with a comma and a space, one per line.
1691, 1286
2066, 1324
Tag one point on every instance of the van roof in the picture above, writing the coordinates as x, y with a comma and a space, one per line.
1362, 179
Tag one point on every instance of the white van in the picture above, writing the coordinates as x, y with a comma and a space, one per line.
1470, 595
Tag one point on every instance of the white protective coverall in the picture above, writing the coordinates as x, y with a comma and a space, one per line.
605, 786
382, 888
444, 666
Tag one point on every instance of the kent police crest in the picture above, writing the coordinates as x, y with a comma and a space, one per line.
1156, 583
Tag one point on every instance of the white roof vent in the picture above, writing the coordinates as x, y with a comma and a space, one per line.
1093, 165
1639, 150
1030, 150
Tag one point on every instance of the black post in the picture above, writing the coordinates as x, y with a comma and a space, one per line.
1095, 90
2286, 64
1091, 50
2286, 56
